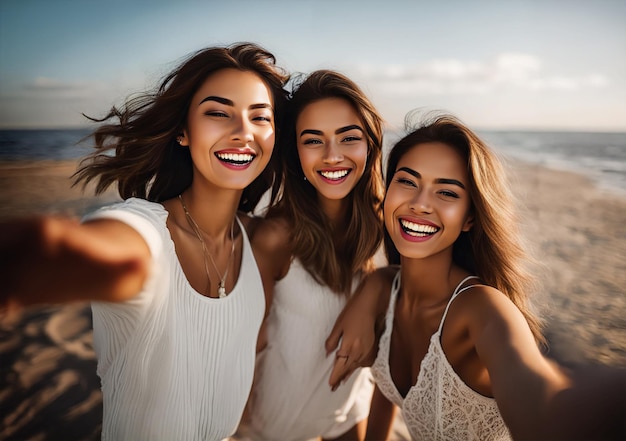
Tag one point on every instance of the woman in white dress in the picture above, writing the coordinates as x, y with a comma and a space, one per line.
460, 351
177, 297
317, 242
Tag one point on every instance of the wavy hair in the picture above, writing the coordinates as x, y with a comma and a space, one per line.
332, 263
493, 248
147, 162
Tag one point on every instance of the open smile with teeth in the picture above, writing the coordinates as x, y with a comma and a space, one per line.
236, 158
417, 230
334, 175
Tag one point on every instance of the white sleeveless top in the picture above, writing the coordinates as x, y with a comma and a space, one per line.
440, 406
174, 364
291, 398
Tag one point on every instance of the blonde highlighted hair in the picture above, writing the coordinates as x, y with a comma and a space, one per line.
493, 249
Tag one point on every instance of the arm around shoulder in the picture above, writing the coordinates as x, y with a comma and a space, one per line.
271, 244
359, 325
51, 259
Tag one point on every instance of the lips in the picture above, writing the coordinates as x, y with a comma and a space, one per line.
235, 159
418, 229
336, 175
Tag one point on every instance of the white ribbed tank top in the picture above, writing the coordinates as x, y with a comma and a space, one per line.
291, 399
174, 364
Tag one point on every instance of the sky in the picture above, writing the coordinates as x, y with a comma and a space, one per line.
505, 65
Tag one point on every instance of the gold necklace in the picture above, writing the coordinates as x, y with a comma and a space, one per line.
221, 288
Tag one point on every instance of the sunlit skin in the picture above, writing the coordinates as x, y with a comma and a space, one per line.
230, 114
427, 204
485, 339
230, 129
333, 149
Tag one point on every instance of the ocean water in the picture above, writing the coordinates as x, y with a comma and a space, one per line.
43, 144
600, 156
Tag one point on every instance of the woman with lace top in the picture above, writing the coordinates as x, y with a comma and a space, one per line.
460, 351
177, 297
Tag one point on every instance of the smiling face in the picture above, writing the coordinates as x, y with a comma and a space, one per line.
427, 205
230, 128
332, 147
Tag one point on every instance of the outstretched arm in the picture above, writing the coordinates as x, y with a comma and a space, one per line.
359, 325
50, 259
537, 398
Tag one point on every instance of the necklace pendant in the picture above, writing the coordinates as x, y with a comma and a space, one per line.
221, 291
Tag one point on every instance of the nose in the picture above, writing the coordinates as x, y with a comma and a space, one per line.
242, 130
420, 203
332, 154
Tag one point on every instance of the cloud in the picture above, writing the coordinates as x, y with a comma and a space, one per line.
453, 76
46, 101
45, 83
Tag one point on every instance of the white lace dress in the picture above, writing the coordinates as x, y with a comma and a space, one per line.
440, 406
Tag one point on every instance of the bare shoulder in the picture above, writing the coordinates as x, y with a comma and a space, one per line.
271, 243
490, 317
270, 235
480, 302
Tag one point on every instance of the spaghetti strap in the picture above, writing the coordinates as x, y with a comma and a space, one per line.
396, 281
458, 290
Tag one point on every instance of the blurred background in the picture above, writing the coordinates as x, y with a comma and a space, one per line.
558, 65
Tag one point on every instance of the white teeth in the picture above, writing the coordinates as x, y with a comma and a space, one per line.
418, 229
334, 175
236, 157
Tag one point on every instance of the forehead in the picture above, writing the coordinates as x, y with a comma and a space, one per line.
241, 87
435, 159
328, 112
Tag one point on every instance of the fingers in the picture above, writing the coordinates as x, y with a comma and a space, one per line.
342, 370
333, 339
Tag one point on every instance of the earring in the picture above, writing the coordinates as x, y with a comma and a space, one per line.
305, 178
179, 139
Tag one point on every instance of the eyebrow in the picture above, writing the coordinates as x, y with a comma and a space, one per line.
337, 132
438, 181
218, 99
227, 102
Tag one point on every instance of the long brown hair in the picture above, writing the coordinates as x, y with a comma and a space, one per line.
333, 264
493, 248
148, 162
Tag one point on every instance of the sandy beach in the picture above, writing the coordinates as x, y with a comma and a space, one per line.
48, 386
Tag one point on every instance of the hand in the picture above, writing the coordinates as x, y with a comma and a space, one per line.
345, 365
54, 260
356, 339
359, 325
